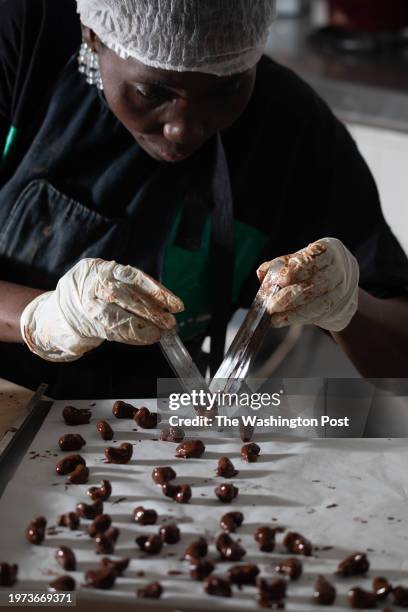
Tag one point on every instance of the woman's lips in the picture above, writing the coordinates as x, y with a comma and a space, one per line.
172, 156
164, 154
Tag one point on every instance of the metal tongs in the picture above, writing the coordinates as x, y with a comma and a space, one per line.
234, 369
240, 356
183, 365
232, 372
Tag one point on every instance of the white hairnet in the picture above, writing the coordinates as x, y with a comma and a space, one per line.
220, 37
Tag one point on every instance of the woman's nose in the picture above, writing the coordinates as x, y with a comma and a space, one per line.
184, 131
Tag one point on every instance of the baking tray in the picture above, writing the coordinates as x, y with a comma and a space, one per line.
342, 494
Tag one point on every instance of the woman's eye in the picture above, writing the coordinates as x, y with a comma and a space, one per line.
152, 93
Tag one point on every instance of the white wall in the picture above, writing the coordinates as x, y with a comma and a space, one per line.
386, 153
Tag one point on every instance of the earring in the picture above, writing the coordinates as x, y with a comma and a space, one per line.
88, 65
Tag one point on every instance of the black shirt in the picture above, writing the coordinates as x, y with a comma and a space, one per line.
296, 174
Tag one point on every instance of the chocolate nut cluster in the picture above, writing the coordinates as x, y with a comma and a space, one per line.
225, 468
146, 419
101, 493
76, 416
105, 430
71, 442
191, 449
231, 521
75, 467
250, 452
35, 532
226, 493
180, 493
119, 455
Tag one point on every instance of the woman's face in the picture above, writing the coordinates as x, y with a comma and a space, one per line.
170, 114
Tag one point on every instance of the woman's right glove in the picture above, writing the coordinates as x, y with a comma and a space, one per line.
97, 300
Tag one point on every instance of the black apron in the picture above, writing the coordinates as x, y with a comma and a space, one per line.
83, 189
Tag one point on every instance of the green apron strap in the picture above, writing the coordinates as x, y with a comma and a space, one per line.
11, 137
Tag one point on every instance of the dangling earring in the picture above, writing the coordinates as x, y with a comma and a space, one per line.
89, 65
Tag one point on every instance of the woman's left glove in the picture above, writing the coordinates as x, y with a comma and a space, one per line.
319, 285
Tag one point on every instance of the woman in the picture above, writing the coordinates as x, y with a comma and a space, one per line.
169, 144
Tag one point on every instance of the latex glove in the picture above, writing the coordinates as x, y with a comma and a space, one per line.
97, 300
319, 286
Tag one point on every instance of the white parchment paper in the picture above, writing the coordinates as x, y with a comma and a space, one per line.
344, 495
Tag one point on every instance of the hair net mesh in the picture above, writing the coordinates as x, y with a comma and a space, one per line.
219, 37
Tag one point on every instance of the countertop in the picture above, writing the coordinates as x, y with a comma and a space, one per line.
13, 400
369, 90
